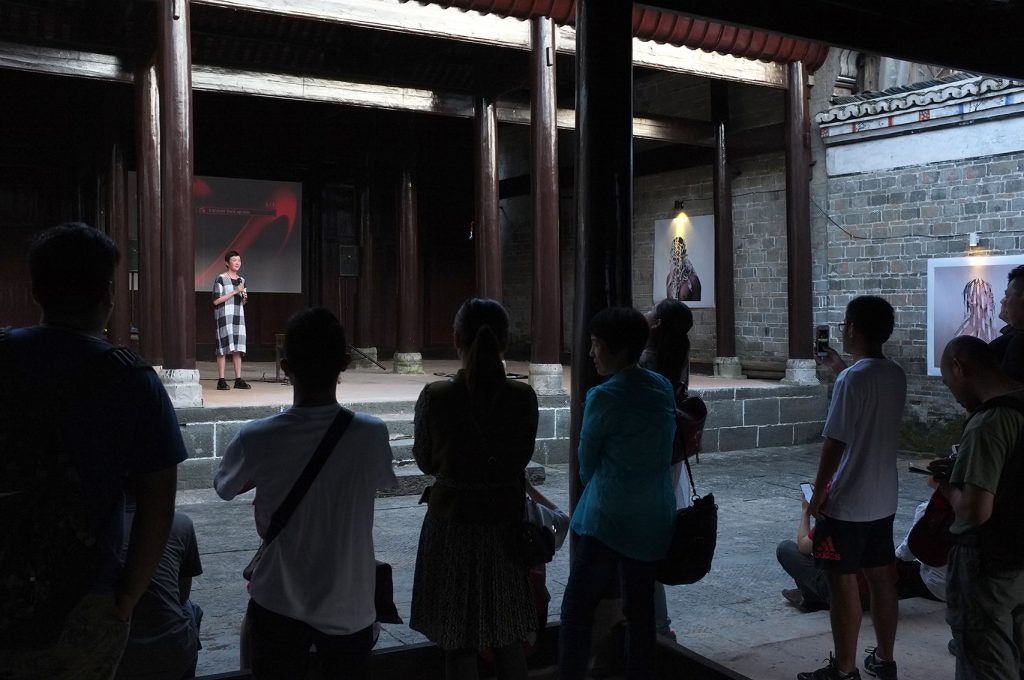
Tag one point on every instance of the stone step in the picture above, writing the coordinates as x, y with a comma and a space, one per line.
400, 425
411, 481
401, 449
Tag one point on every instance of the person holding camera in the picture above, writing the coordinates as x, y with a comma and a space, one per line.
857, 468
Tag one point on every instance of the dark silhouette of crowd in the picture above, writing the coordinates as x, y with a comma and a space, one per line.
70, 463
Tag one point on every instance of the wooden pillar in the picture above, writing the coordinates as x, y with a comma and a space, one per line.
726, 362
147, 154
117, 212
177, 271
179, 322
410, 307
546, 317
800, 367
487, 233
362, 335
363, 338
604, 183
798, 222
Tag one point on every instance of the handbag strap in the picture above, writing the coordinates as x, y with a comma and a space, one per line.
309, 473
689, 473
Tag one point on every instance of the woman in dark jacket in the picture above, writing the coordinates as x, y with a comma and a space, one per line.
668, 353
475, 433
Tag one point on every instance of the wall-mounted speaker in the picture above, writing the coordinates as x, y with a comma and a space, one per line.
348, 260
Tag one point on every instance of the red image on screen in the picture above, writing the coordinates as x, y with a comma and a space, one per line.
259, 219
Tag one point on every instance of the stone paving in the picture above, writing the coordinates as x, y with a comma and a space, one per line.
735, 616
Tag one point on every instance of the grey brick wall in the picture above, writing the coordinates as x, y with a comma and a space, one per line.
759, 242
883, 227
759, 220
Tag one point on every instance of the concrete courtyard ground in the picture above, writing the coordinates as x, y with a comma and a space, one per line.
735, 616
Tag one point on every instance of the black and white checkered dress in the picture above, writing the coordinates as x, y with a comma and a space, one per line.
229, 316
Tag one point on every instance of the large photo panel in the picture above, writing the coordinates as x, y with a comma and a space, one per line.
684, 260
963, 299
262, 220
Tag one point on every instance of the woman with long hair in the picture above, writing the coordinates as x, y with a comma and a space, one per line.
475, 434
668, 353
668, 344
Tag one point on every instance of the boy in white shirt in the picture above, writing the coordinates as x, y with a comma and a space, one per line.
858, 467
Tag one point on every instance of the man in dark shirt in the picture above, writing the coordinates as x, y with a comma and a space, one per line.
1008, 348
113, 431
985, 589
164, 641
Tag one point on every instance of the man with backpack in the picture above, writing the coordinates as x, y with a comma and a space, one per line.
985, 588
79, 419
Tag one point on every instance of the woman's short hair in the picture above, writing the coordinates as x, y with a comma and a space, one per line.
621, 328
230, 254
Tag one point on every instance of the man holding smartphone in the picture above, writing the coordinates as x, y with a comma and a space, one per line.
858, 467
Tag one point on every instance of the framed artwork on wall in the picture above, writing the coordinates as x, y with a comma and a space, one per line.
684, 260
963, 299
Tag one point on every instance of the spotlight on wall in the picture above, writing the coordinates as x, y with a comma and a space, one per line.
973, 238
678, 205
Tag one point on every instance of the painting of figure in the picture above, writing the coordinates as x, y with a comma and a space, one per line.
682, 281
684, 260
963, 299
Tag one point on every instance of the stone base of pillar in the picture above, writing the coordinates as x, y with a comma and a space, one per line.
182, 385
801, 372
359, 361
728, 367
408, 362
546, 379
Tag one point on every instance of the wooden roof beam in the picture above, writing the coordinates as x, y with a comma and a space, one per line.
346, 93
450, 24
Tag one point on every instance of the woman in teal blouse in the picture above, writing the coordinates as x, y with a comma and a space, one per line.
624, 517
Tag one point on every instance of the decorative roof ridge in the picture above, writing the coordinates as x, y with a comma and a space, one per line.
956, 86
901, 89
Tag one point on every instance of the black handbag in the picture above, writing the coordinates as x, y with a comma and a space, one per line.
694, 536
536, 539
384, 595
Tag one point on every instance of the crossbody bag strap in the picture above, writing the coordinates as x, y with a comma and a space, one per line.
309, 473
689, 473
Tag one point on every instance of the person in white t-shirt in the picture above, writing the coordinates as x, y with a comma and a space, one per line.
315, 582
858, 467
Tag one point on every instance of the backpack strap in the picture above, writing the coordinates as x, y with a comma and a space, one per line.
110, 364
1002, 401
1000, 540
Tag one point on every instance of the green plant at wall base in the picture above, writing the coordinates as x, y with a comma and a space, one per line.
932, 439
